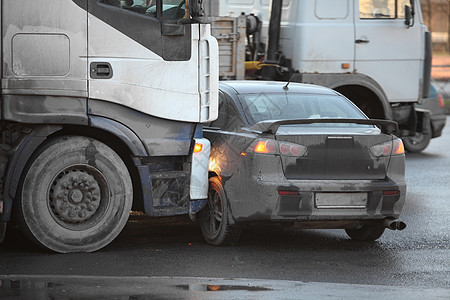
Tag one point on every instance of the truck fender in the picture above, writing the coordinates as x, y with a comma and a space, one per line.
17, 162
337, 80
137, 148
122, 132
370, 84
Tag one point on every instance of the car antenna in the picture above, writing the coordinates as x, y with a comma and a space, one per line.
286, 87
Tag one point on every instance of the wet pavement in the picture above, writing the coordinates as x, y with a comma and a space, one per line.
81, 287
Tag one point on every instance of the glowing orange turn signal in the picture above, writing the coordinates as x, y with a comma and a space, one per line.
398, 147
267, 146
261, 147
198, 147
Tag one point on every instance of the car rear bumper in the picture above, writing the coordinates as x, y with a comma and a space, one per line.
268, 196
300, 201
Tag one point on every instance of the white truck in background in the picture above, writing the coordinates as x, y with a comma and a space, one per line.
375, 52
102, 103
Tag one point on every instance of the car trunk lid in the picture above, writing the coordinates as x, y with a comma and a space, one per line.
336, 156
336, 148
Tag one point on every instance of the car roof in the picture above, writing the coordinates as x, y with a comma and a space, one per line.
251, 87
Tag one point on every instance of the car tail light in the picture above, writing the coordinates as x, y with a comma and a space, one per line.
441, 101
398, 147
394, 147
391, 193
269, 146
287, 193
198, 147
265, 146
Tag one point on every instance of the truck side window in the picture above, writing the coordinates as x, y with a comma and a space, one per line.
382, 9
171, 9
401, 8
377, 9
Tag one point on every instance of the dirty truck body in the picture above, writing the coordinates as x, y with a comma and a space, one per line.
361, 48
101, 109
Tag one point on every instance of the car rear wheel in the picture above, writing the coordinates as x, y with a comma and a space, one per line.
366, 232
76, 195
214, 217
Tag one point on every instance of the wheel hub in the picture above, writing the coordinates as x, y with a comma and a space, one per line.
75, 196
417, 138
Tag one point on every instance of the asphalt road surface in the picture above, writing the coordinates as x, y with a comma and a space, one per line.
167, 258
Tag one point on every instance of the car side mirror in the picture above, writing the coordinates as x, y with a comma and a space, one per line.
409, 14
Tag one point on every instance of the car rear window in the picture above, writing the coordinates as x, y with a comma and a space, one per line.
290, 106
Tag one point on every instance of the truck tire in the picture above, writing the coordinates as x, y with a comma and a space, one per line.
418, 142
76, 195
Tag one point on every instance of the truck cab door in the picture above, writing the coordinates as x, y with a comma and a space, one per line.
141, 56
387, 50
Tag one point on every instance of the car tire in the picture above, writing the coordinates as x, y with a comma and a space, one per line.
366, 232
418, 142
214, 217
76, 195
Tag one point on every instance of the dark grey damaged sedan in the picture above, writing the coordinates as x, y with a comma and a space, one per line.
302, 155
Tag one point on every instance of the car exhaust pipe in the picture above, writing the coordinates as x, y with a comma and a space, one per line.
394, 225
390, 224
401, 225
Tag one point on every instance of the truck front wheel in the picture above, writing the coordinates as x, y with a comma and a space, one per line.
76, 195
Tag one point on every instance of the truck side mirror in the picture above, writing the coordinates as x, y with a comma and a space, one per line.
409, 14
196, 8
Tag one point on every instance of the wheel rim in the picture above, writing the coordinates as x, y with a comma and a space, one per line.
78, 197
213, 220
417, 139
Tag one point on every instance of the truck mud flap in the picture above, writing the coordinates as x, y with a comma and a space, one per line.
170, 194
423, 118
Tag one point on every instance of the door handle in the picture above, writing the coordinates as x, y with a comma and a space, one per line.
101, 70
362, 41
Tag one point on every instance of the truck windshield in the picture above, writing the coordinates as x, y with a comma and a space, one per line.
281, 106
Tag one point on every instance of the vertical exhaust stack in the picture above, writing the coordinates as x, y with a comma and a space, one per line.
269, 71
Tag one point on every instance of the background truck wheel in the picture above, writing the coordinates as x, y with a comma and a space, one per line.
214, 217
418, 142
366, 232
76, 195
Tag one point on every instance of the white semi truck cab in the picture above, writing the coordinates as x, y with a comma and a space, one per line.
375, 52
102, 103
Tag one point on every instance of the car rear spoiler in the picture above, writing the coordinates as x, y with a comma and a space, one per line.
271, 126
